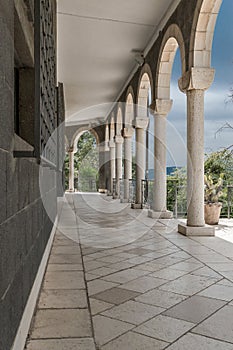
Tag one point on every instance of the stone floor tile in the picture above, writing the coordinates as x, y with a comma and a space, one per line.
143, 284
62, 299
64, 267
222, 267
103, 271
98, 306
225, 282
65, 259
168, 273
160, 298
123, 265
64, 280
139, 251
107, 329
125, 276
66, 323
134, 341
206, 271
194, 309
112, 259
196, 342
218, 291
164, 328
133, 312
90, 277
168, 260
116, 295
93, 265
186, 266
98, 286
62, 344
139, 260
188, 284
219, 326
151, 266
74, 249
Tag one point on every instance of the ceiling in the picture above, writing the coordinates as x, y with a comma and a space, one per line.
95, 43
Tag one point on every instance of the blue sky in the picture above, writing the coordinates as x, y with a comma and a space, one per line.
217, 111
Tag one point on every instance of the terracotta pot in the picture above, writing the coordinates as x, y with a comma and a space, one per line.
212, 213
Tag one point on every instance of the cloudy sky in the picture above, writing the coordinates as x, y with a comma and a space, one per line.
217, 111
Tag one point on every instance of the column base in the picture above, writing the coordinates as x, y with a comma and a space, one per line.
115, 196
136, 206
206, 230
102, 190
160, 214
109, 194
124, 200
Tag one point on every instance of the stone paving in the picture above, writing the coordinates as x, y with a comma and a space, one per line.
117, 279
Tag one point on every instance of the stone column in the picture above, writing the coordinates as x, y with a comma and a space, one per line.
118, 142
159, 209
194, 83
112, 164
71, 169
141, 125
102, 174
128, 133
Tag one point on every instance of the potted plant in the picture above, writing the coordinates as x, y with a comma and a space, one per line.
212, 205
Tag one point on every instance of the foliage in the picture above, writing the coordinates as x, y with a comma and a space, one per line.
176, 189
85, 162
220, 162
213, 191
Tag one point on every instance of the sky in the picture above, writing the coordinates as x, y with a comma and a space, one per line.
217, 111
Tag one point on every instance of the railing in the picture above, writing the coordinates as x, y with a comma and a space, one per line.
132, 191
114, 187
176, 197
147, 189
86, 185
229, 201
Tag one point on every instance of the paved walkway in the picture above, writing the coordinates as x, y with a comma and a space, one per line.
119, 280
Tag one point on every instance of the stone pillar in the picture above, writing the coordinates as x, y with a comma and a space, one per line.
118, 142
102, 175
141, 125
71, 169
112, 164
159, 209
194, 83
128, 133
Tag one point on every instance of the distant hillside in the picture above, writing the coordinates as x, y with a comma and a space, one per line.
170, 170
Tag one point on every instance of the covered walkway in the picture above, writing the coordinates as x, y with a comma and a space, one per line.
117, 279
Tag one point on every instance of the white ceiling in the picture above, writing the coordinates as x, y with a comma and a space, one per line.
95, 43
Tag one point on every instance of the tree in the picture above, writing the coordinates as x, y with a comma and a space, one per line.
85, 159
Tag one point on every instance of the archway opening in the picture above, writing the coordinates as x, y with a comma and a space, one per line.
86, 163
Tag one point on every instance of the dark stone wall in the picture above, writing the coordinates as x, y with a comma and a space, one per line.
24, 224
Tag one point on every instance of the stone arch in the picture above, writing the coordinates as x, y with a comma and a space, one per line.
145, 89
202, 34
119, 121
129, 108
172, 39
78, 133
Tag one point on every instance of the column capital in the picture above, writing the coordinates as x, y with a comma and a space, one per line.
141, 123
128, 132
196, 79
101, 148
119, 139
161, 106
111, 144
